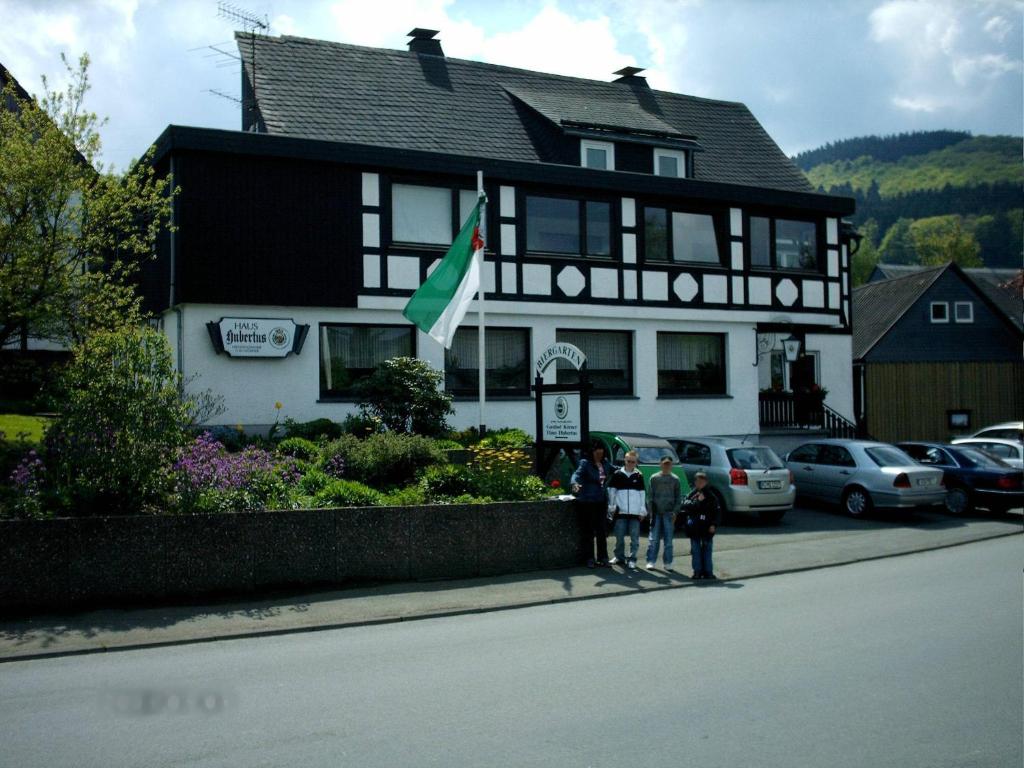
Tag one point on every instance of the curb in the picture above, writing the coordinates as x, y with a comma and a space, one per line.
33, 656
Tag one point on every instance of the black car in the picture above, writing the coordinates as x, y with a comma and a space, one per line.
972, 477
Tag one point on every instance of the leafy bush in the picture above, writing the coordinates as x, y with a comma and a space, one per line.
509, 437
337, 454
406, 497
313, 481
313, 430
391, 460
361, 425
122, 421
504, 474
445, 482
299, 448
406, 395
348, 493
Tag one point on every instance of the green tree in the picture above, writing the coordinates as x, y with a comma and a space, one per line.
122, 421
71, 232
867, 255
406, 395
898, 246
941, 239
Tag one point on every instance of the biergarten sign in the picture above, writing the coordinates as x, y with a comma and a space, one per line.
562, 410
257, 336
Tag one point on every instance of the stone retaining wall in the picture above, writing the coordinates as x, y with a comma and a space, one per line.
84, 562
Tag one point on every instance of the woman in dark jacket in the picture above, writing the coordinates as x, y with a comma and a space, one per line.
588, 484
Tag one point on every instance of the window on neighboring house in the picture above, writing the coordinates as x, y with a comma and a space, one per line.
963, 311
597, 154
680, 236
940, 312
506, 355
609, 360
349, 353
561, 225
670, 162
691, 364
428, 215
783, 243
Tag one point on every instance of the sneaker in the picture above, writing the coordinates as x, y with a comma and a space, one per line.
631, 564
613, 561
650, 566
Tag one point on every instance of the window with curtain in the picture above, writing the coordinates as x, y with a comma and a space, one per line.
609, 360
424, 215
576, 227
691, 364
680, 236
349, 353
506, 356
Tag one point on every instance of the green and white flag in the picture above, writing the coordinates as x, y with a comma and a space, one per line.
439, 305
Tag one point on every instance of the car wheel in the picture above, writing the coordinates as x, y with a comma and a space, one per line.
857, 502
958, 501
771, 518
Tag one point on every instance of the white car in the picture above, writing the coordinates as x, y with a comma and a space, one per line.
1010, 451
1008, 430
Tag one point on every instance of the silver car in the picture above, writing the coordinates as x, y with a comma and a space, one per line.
745, 478
861, 475
1010, 451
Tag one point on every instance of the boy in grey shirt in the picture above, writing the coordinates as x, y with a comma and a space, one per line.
663, 503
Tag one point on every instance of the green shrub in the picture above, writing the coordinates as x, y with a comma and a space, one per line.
508, 486
336, 456
444, 482
509, 437
299, 448
360, 425
348, 493
406, 395
406, 497
313, 481
391, 460
313, 430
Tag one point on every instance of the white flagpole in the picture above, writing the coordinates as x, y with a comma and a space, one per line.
480, 305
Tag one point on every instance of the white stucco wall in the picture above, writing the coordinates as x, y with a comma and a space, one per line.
835, 369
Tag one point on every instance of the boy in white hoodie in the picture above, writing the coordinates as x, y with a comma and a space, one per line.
627, 496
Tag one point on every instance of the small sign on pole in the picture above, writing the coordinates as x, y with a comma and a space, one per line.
563, 410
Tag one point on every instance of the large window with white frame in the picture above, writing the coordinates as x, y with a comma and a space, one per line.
506, 360
609, 360
691, 363
783, 244
669, 162
423, 215
351, 352
681, 236
568, 226
597, 154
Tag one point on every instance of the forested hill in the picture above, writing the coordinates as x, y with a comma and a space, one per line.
930, 196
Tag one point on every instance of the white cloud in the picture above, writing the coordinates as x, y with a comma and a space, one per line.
916, 104
998, 28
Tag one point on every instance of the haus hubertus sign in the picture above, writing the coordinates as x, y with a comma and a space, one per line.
257, 336
563, 410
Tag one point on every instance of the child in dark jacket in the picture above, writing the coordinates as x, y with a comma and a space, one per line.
703, 515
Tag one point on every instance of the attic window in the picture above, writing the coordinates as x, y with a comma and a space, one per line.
669, 162
597, 154
940, 312
963, 311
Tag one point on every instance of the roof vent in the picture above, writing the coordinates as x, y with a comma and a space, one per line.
423, 42
631, 76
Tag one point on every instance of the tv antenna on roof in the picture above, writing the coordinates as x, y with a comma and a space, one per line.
252, 25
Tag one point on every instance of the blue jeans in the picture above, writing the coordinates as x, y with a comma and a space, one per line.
662, 527
700, 552
621, 522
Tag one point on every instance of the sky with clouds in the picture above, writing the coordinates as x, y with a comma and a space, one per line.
811, 71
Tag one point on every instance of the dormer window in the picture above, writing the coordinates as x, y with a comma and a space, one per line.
669, 162
597, 154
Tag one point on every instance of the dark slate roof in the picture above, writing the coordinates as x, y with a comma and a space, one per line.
878, 306
347, 93
996, 284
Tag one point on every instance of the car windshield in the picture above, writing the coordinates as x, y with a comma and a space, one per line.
887, 456
653, 454
972, 457
754, 458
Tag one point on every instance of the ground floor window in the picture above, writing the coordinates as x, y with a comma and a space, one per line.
691, 364
609, 360
349, 353
506, 356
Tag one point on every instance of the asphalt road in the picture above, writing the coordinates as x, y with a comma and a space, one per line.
907, 661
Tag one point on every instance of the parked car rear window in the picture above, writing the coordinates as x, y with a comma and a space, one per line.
974, 458
653, 454
754, 458
885, 456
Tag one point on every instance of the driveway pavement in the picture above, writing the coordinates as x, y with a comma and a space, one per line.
807, 538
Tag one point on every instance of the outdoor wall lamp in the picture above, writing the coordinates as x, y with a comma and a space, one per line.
792, 347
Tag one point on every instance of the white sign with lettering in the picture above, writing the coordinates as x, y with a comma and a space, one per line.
560, 417
561, 350
257, 336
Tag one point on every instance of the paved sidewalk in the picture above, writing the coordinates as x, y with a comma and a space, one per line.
806, 539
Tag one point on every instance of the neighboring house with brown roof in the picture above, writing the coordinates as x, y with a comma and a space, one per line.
934, 355
666, 235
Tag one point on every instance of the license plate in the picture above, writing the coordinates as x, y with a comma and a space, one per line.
924, 481
769, 485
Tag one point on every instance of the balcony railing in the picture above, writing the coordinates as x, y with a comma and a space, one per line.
794, 410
